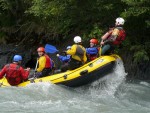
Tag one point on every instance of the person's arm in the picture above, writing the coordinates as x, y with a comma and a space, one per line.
24, 73
113, 37
71, 51
60, 58
106, 35
3, 72
42, 62
92, 51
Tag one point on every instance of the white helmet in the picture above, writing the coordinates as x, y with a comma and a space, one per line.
77, 39
120, 21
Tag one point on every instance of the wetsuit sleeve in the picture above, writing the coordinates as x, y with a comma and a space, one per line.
72, 51
64, 58
24, 73
3, 72
61, 58
42, 62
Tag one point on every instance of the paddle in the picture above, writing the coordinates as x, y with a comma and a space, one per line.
50, 49
34, 75
100, 51
35, 68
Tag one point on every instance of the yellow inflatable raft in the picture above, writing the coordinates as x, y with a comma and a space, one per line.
86, 74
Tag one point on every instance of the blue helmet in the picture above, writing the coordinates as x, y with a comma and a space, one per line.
69, 47
17, 58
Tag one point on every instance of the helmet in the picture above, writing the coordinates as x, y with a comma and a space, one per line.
94, 41
120, 21
17, 58
77, 39
41, 49
69, 47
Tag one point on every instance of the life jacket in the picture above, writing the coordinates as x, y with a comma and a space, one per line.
94, 56
13, 74
48, 63
121, 36
80, 53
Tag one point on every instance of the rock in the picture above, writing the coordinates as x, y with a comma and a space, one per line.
8, 51
136, 70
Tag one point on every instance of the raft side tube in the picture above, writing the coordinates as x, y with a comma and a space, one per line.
90, 77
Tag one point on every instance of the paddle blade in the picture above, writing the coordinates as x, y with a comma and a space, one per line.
50, 48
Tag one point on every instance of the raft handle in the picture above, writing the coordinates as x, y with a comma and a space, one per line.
65, 76
83, 72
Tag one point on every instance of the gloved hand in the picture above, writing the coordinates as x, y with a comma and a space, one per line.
28, 69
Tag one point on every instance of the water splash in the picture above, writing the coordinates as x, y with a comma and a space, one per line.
108, 85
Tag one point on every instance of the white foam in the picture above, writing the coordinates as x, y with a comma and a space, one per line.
144, 83
109, 84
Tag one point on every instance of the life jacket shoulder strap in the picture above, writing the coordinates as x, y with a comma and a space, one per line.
79, 52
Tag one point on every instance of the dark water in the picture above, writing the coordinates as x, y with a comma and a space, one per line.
111, 94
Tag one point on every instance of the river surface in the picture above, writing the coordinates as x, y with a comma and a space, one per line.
111, 94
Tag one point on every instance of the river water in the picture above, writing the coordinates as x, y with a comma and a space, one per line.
111, 94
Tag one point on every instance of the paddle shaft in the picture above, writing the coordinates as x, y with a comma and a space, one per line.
36, 67
100, 51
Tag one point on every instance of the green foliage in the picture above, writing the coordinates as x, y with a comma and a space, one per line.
140, 53
87, 18
96, 32
140, 56
2, 37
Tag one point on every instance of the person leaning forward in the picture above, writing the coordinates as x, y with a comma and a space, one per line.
15, 74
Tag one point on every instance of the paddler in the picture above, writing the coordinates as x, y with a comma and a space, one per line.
78, 54
65, 59
45, 64
93, 50
14, 73
114, 36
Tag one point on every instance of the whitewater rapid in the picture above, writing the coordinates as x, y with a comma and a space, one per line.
111, 94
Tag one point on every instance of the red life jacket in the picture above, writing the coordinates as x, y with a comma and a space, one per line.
48, 61
13, 74
91, 57
120, 38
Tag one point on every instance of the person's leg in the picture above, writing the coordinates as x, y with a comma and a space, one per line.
105, 48
64, 67
35, 75
46, 72
73, 64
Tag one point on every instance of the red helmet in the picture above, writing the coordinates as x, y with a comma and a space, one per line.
41, 49
94, 41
